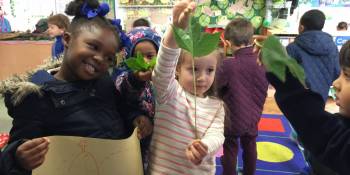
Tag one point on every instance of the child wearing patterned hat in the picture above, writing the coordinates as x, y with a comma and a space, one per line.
146, 42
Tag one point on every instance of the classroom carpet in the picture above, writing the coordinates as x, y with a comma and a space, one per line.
278, 154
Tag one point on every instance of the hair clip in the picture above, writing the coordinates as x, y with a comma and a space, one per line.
89, 12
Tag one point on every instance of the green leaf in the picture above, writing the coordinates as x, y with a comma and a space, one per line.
152, 63
183, 39
206, 44
139, 64
276, 60
194, 40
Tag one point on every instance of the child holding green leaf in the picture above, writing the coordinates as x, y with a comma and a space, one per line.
325, 135
180, 145
135, 79
316, 52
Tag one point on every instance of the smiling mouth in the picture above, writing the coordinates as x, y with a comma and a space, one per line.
90, 68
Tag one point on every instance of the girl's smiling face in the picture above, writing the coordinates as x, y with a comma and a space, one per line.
89, 53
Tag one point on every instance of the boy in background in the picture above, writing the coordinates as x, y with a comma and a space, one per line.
243, 86
317, 53
57, 25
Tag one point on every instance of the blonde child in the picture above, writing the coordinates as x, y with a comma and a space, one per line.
174, 147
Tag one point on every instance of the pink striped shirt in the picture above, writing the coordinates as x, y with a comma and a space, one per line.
174, 122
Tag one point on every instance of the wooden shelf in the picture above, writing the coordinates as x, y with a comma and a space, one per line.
145, 6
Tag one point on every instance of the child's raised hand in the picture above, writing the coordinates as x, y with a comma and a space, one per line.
196, 151
31, 154
145, 127
181, 16
182, 13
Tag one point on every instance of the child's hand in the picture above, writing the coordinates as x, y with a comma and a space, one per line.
257, 47
181, 16
181, 13
144, 76
31, 154
144, 125
196, 151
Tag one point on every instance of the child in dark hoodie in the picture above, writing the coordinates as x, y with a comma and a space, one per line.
316, 52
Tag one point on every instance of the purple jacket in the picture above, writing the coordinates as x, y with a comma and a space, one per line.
243, 86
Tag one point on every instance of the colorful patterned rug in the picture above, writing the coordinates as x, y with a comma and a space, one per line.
277, 153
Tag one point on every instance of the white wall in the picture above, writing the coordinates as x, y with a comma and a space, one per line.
24, 14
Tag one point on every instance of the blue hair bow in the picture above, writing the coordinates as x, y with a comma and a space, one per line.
125, 41
89, 12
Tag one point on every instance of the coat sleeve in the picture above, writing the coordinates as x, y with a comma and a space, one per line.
129, 89
163, 76
322, 133
27, 124
292, 52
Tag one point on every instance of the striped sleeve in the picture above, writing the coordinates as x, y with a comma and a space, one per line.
163, 76
214, 137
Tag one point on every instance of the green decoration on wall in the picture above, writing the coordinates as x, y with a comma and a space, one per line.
220, 12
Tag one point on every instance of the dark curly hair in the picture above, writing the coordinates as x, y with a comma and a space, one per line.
81, 22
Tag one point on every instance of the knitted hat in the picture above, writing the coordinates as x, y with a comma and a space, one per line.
139, 34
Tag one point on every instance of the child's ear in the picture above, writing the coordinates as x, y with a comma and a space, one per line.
177, 73
301, 28
227, 43
66, 39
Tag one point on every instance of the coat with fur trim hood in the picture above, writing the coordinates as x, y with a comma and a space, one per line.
41, 105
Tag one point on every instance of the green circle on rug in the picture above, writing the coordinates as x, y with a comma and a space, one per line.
273, 152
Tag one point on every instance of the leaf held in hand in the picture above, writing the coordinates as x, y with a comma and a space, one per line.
276, 60
194, 40
139, 64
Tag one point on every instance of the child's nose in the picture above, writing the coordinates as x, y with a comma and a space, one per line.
98, 57
200, 76
336, 84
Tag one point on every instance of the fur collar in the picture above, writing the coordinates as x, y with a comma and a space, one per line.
19, 86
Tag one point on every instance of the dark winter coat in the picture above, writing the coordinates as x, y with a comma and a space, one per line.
318, 55
243, 86
325, 135
47, 106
